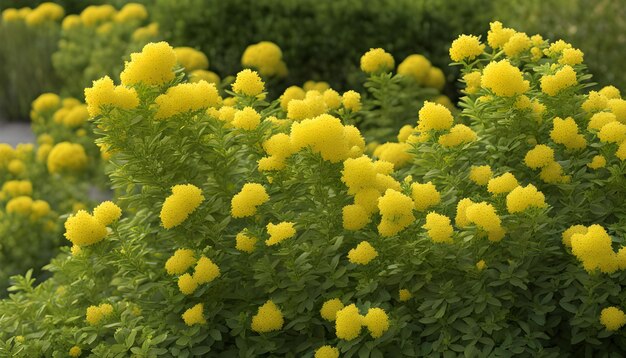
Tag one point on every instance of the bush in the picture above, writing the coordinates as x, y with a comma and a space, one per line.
248, 231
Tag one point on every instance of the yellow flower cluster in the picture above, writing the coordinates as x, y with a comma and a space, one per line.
424, 195
459, 134
327, 136
153, 66
404, 295
394, 153
330, 308
600, 119
597, 162
376, 321
279, 232
517, 43
522, 198
268, 318
245, 203
542, 157
145, 33
203, 75
194, 315
472, 82
565, 131
13, 188
191, 59
376, 60
355, 217
498, 36
439, 228
594, 249
416, 67
67, 157
502, 184
480, 174
348, 323
483, 215
362, 254
279, 149
266, 57
180, 262
245, 242
562, 79
311, 105
246, 119
433, 116
327, 352
248, 83
46, 102
396, 210
612, 318
612, 132
95, 314
104, 93
186, 97
351, 101
184, 200
45, 12
131, 12
466, 48
93, 15
571, 57
75, 351
83, 229
574, 229
504, 79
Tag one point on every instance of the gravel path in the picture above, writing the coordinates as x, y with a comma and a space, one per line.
15, 133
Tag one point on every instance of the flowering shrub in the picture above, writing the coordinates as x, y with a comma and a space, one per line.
243, 226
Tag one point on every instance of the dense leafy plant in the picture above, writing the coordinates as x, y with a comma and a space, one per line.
246, 227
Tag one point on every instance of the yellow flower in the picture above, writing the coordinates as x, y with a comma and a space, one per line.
539, 157
194, 315
436, 79
395, 153
268, 318
481, 265
351, 101
424, 195
472, 82
459, 134
248, 83
245, 203
92, 15
553, 173
595, 102
131, 12
47, 11
376, 321
439, 228
434, 116
95, 314
600, 119
594, 249
327, 352
574, 229
327, 136
481, 174
203, 75
16, 167
75, 351
376, 60
184, 200
20, 205
404, 295
571, 56
484, 216
104, 93
522, 198
205, 271
245, 243
348, 323
466, 47
565, 131
396, 211
498, 36
610, 92
562, 79
461, 219
191, 59
180, 262
83, 229
618, 108
266, 57
612, 318
145, 33
279, 232
355, 217
517, 44
107, 212
613, 132
502, 184
186, 97
597, 162
416, 67
17, 187
247, 119
153, 66
362, 254
291, 93
330, 308
46, 102
504, 79
186, 284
